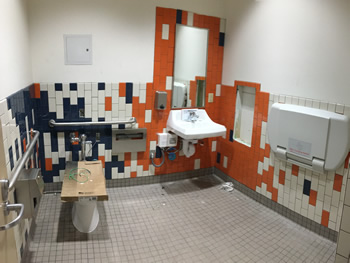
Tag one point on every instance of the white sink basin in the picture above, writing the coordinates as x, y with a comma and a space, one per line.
195, 126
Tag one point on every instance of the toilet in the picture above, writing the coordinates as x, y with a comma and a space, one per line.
84, 184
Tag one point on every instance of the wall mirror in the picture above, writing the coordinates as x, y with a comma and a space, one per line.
190, 67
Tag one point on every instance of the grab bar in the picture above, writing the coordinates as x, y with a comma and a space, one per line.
53, 123
7, 185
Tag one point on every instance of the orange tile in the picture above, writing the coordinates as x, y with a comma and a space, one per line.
24, 145
102, 158
338, 180
122, 89
274, 194
108, 104
325, 218
37, 90
133, 174
295, 170
313, 197
127, 159
48, 164
184, 17
282, 177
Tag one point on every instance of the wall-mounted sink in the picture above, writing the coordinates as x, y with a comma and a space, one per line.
193, 124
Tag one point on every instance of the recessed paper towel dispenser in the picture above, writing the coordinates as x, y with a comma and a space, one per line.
311, 138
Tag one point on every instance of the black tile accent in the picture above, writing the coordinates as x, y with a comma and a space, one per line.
231, 136
58, 87
307, 187
101, 86
178, 16
218, 157
221, 39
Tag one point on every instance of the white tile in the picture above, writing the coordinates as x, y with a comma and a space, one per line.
61, 151
52, 104
197, 164
133, 166
51, 90
331, 107
73, 97
136, 90
139, 170
88, 97
108, 115
148, 116
122, 103
115, 86
81, 90
288, 100
262, 142
190, 19
65, 90
327, 203
297, 206
165, 31
295, 100
128, 110
225, 162
282, 99
94, 89
345, 224
121, 115
347, 194
339, 108
335, 198
142, 96
115, 110
343, 247
94, 104
101, 110
151, 169
153, 145
101, 149
260, 168
222, 25
308, 103
68, 156
315, 104
266, 164
301, 102
108, 89
88, 111
213, 147
218, 90
59, 111
43, 87
54, 156
101, 96
169, 83
47, 139
108, 155
114, 172
87, 86
47, 151
323, 105
311, 212
127, 172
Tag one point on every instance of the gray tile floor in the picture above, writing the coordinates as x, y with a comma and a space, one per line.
185, 221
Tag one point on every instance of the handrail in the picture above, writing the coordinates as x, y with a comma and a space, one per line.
7, 185
24, 159
53, 123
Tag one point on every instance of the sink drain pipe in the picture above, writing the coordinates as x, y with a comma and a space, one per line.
152, 156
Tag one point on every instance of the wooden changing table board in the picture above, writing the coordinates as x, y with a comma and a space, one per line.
94, 187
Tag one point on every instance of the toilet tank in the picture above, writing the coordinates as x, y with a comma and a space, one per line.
312, 138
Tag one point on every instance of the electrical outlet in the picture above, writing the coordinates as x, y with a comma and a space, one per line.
98, 136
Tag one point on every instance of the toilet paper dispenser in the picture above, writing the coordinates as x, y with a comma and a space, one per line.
311, 138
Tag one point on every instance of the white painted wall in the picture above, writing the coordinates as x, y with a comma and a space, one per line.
191, 45
15, 65
123, 36
293, 47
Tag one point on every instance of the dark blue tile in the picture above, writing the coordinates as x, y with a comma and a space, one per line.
114, 158
108, 170
101, 86
73, 86
62, 163
54, 141
128, 96
120, 165
17, 149
58, 87
178, 16
218, 157
121, 126
81, 103
158, 152
231, 135
55, 170
221, 39
307, 187
101, 119
12, 163
75, 152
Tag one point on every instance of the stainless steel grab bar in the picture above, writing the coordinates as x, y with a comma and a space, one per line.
53, 123
7, 185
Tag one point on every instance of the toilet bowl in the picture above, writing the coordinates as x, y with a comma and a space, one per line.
85, 215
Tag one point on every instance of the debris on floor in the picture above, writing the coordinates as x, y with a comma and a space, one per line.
228, 187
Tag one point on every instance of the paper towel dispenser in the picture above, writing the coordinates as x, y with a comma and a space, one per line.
311, 138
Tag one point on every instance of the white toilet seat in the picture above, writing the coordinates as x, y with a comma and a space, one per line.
85, 215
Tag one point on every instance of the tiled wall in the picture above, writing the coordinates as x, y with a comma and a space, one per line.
17, 115
319, 197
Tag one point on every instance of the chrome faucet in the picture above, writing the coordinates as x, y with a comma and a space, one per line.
192, 117
83, 143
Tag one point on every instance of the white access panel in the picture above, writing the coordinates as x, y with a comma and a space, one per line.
78, 49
